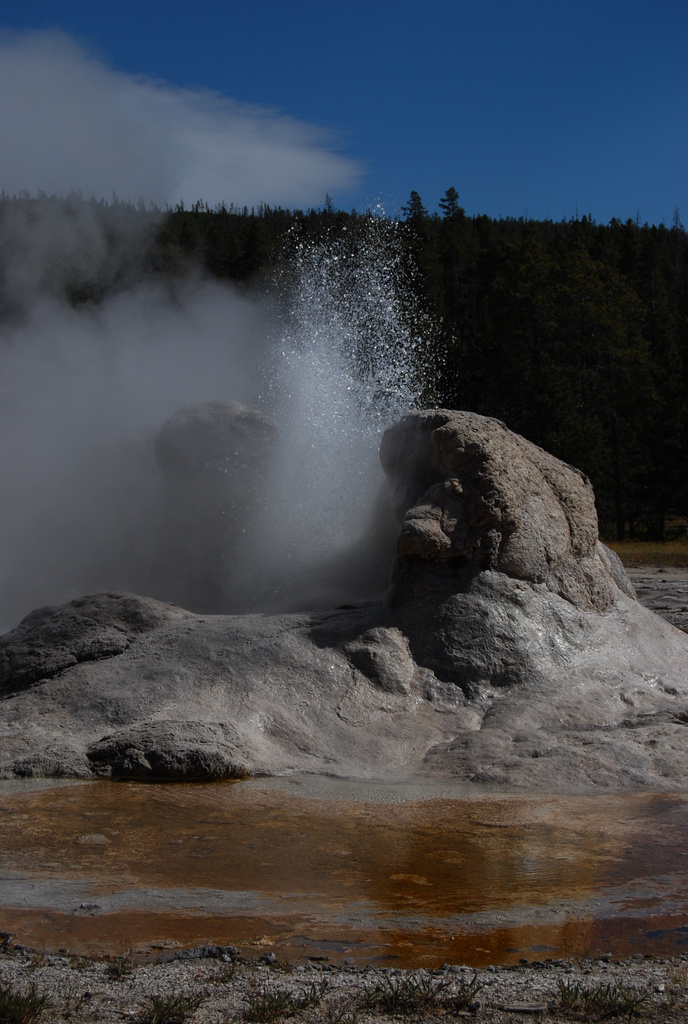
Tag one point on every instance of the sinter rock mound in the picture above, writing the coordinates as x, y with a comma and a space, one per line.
510, 650
472, 494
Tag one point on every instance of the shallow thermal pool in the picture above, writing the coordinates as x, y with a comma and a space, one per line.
360, 872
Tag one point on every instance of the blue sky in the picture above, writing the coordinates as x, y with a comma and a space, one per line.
538, 108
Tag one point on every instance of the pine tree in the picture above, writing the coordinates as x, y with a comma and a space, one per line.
449, 204
414, 210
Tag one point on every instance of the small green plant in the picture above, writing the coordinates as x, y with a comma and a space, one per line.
37, 961
571, 994
21, 1007
78, 963
342, 1014
227, 974
72, 996
600, 1000
679, 976
312, 996
119, 968
266, 1006
408, 994
463, 997
269, 1004
676, 990
282, 966
168, 1009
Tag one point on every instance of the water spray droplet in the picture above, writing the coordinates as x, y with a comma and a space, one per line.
346, 365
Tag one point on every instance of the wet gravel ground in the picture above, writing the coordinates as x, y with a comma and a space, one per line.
205, 989
664, 590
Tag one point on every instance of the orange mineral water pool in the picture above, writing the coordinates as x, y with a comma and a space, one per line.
410, 875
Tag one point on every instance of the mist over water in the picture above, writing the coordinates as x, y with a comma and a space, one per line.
330, 357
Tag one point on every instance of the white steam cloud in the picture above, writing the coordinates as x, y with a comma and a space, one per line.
97, 352
86, 502
69, 123
83, 391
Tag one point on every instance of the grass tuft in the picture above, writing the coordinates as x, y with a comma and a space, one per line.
266, 1006
119, 968
341, 1014
463, 997
409, 994
21, 1007
312, 996
270, 1004
600, 1001
168, 1010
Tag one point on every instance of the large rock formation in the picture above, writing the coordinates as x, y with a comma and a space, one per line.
510, 650
498, 560
472, 495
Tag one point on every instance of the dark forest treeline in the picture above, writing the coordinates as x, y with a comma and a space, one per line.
573, 333
236, 243
576, 335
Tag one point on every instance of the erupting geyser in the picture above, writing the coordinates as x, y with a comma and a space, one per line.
487, 635
510, 650
330, 361
342, 367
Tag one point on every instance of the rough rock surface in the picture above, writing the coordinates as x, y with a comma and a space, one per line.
474, 495
88, 629
511, 651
